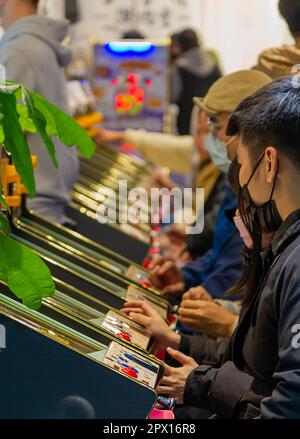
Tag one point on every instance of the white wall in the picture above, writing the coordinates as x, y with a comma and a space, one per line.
154, 18
241, 29
238, 29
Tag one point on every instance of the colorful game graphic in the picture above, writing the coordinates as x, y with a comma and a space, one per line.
131, 364
130, 82
132, 100
124, 328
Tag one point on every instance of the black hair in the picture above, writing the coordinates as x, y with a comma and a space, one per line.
72, 11
174, 38
187, 39
250, 280
270, 117
233, 176
34, 2
290, 11
133, 35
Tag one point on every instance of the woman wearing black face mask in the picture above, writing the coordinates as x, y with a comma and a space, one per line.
257, 238
266, 345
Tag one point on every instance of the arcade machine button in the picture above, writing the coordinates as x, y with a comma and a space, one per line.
127, 370
124, 336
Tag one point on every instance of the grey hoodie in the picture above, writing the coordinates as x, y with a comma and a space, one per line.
33, 55
196, 61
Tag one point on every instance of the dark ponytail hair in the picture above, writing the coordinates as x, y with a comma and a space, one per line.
251, 276
290, 11
187, 39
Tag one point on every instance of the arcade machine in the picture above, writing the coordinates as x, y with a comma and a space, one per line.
52, 367
77, 357
68, 239
103, 173
131, 89
72, 262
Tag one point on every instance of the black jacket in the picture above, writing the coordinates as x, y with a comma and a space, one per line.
193, 86
193, 74
257, 373
199, 244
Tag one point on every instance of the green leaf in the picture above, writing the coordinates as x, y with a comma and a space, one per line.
2, 137
41, 125
51, 123
26, 122
68, 130
10, 87
4, 224
25, 273
15, 142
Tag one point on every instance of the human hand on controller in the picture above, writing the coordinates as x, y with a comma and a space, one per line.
142, 313
197, 293
107, 136
207, 317
166, 276
173, 383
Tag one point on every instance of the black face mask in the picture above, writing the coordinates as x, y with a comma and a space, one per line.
266, 216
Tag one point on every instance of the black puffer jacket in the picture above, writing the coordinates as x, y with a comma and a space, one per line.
257, 374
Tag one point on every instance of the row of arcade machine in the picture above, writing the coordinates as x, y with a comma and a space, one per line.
78, 356
98, 176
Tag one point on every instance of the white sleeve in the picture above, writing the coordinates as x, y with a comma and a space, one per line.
175, 152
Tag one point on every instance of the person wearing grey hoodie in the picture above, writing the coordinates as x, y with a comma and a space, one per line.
194, 70
32, 52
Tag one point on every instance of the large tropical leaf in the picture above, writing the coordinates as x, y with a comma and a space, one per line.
67, 129
10, 87
26, 122
41, 125
22, 111
25, 273
15, 142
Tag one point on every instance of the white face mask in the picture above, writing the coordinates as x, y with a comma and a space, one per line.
245, 235
218, 152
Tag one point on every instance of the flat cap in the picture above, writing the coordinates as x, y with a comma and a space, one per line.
230, 90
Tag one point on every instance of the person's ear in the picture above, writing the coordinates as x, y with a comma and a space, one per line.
271, 164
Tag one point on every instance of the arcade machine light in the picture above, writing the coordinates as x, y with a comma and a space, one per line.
131, 83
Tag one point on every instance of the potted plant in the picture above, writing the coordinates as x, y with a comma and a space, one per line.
21, 111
